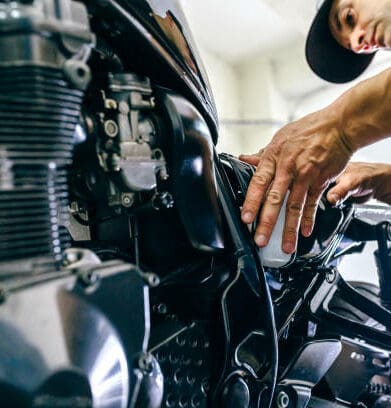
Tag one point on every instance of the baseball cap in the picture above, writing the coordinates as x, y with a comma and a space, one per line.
326, 57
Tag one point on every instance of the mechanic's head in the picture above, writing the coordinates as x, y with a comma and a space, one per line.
345, 36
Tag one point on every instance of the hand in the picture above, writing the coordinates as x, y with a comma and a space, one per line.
303, 157
362, 181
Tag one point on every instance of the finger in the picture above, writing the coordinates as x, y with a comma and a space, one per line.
294, 211
253, 159
309, 212
257, 188
271, 209
345, 187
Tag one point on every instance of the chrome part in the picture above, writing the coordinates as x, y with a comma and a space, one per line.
283, 400
129, 136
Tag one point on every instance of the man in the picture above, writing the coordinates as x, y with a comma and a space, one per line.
306, 155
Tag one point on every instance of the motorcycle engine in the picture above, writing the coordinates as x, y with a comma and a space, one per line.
64, 339
121, 283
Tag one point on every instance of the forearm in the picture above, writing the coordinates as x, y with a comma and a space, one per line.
365, 112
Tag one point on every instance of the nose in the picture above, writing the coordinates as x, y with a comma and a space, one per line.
357, 40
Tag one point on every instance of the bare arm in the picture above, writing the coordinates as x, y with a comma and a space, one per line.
306, 155
366, 111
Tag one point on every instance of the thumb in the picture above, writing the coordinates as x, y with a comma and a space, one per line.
344, 188
252, 159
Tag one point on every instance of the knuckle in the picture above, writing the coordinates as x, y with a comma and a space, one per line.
311, 206
251, 201
306, 172
290, 164
295, 208
261, 179
267, 223
250, 208
274, 197
290, 232
307, 220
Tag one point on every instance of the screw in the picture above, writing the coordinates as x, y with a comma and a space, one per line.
282, 400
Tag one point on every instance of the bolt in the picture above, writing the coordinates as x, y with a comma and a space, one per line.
360, 357
127, 200
70, 257
163, 175
89, 278
111, 128
282, 400
331, 275
110, 104
152, 279
145, 362
161, 308
74, 207
205, 386
162, 201
195, 401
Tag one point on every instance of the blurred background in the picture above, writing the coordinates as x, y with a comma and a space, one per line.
253, 52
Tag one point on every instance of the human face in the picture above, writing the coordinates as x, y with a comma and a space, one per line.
364, 26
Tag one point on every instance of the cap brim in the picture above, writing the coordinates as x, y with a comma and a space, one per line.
326, 57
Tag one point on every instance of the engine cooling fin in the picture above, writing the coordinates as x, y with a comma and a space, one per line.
38, 115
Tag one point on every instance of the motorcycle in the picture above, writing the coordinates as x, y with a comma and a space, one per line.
126, 276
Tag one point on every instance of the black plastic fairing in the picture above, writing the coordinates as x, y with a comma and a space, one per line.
153, 38
193, 173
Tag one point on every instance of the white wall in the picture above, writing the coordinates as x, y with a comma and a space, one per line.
260, 101
224, 81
